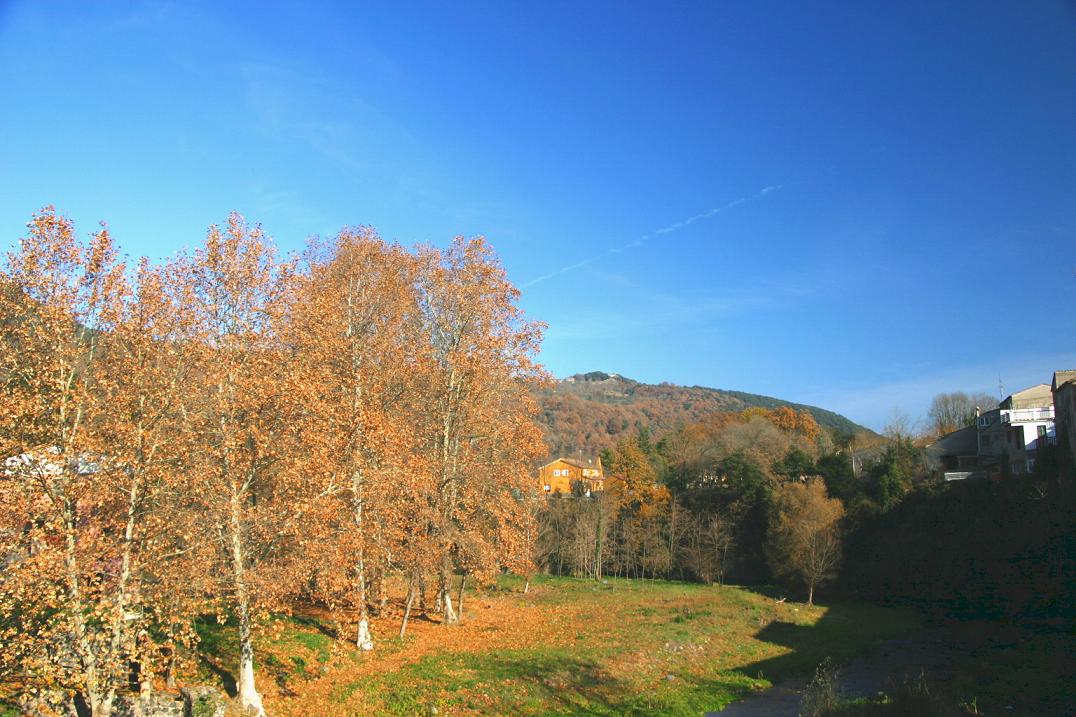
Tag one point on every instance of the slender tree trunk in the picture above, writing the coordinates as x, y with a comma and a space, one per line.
170, 669
599, 543
422, 593
119, 617
363, 639
98, 696
249, 697
459, 598
444, 593
810, 594
407, 605
527, 585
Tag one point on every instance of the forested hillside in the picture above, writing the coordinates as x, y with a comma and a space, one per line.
591, 411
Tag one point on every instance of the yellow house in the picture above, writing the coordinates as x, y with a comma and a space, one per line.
559, 475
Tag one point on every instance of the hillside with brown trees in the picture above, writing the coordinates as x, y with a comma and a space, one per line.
587, 413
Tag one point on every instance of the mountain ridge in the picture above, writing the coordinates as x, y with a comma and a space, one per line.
586, 412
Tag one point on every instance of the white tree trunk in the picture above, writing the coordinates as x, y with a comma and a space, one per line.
364, 640
249, 697
451, 618
407, 606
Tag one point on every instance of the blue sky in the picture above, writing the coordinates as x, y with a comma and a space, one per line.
838, 203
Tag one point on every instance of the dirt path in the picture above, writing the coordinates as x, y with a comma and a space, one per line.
928, 650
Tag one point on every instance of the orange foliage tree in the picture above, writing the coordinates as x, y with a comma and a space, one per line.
354, 327
241, 474
479, 434
804, 540
228, 432
90, 426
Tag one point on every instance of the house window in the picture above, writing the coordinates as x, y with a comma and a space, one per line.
545, 488
556, 472
1042, 431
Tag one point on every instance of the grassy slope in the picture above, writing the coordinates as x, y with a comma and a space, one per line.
568, 647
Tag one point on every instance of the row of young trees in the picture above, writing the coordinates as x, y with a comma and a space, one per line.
229, 431
738, 496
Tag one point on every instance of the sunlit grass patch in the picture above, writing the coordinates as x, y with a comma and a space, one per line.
571, 646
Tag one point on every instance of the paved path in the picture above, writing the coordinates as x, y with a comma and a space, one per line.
927, 650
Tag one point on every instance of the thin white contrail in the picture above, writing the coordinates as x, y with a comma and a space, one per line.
657, 232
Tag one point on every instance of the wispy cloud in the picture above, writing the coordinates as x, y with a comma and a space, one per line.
658, 313
294, 101
370, 147
717, 210
145, 15
562, 270
675, 227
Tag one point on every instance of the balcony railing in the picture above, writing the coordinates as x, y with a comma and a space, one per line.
1027, 415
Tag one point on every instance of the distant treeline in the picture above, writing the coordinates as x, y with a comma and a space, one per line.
725, 491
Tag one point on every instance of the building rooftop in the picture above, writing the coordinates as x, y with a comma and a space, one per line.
1038, 396
1063, 377
577, 462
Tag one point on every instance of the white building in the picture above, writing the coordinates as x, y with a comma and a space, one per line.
1016, 430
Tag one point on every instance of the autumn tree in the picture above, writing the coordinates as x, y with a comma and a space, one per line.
804, 542
59, 296
480, 434
355, 327
145, 373
635, 479
243, 489
641, 505
89, 426
225, 432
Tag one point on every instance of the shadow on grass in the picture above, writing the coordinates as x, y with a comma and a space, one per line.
845, 631
216, 646
318, 624
227, 680
549, 682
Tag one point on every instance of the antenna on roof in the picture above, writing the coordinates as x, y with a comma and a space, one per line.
1001, 389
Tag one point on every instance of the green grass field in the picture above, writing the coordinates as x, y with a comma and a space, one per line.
620, 647
568, 647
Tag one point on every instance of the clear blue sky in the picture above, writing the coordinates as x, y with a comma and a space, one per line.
851, 204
